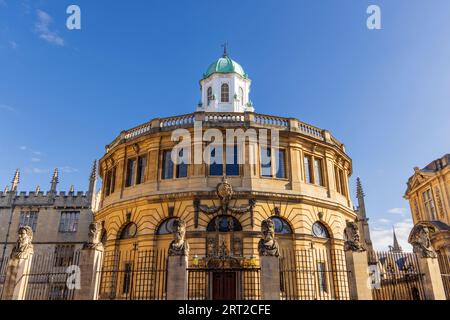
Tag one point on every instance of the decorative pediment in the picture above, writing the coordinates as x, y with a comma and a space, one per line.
418, 179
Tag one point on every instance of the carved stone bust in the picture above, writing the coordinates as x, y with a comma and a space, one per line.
179, 246
268, 245
94, 236
420, 240
353, 239
23, 247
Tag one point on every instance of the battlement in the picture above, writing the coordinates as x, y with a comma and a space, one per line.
61, 199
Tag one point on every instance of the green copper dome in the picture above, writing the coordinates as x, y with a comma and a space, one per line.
225, 65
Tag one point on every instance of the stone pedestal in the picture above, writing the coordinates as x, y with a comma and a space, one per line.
177, 277
432, 279
358, 278
91, 260
270, 278
16, 281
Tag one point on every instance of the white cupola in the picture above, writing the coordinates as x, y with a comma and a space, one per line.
225, 87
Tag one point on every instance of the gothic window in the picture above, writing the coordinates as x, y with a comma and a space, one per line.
28, 218
281, 226
209, 95
129, 231
225, 93
319, 230
69, 221
224, 224
166, 227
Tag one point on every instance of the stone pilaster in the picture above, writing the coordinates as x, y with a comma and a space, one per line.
358, 278
432, 280
17, 275
91, 260
177, 277
270, 277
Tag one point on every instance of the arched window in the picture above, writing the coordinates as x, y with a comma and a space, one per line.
319, 230
224, 224
166, 227
225, 93
281, 226
129, 231
241, 96
209, 95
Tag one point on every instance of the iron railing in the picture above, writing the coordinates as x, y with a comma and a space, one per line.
134, 275
399, 277
444, 265
313, 274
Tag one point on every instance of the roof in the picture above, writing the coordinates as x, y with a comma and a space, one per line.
224, 65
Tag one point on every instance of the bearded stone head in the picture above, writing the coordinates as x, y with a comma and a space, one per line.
268, 230
179, 227
23, 247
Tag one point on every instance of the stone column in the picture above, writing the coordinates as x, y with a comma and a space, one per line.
358, 278
177, 277
432, 279
270, 277
16, 280
91, 260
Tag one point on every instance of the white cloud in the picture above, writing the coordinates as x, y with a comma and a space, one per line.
384, 221
68, 169
35, 159
382, 237
7, 108
397, 210
43, 29
23, 148
38, 153
39, 171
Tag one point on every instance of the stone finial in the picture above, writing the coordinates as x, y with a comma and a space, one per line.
6, 189
93, 179
38, 189
420, 240
54, 181
359, 188
94, 236
179, 246
72, 189
268, 245
23, 247
353, 239
15, 180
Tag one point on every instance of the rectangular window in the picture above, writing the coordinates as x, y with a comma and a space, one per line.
64, 255
337, 180
280, 158
318, 172
68, 222
28, 218
321, 277
113, 180
182, 167
131, 173
216, 162
308, 171
110, 181
167, 169
266, 162
141, 165
127, 278
429, 204
342, 182
232, 164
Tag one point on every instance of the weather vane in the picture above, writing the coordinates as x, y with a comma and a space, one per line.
225, 45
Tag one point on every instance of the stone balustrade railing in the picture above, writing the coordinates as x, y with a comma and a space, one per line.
248, 118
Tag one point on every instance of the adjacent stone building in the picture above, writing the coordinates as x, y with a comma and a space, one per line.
59, 221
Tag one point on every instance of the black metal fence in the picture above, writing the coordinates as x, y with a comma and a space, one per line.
134, 275
397, 276
444, 265
52, 275
224, 283
313, 274
3, 266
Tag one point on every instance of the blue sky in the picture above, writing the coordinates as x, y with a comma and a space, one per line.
385, 93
